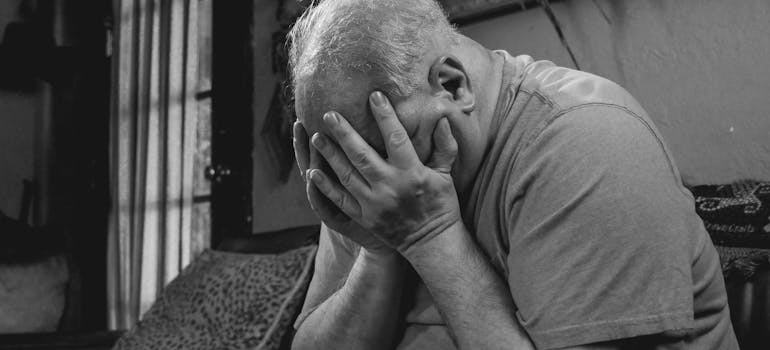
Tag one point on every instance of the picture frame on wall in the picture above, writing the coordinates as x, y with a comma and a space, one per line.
463, 12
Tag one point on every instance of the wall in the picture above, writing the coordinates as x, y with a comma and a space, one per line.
276, 205
18, 114
701, 68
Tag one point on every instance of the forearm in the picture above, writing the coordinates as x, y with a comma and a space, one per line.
471, 297
363, 313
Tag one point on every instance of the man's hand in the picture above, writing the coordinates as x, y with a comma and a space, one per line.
328, 213
400, 200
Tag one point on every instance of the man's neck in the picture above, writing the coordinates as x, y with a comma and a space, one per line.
492, 82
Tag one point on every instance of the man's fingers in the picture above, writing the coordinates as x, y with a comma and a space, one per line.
400, 149
444, 147
301, 149
346, 173
360, 154
322, 206
335, 193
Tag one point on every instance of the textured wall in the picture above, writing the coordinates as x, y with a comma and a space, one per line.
701, 68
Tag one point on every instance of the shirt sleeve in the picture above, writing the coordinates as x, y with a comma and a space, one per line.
599, 243
334, 259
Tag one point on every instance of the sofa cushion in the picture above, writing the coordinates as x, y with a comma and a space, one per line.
226, 301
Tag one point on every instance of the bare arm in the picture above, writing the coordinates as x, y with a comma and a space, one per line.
356, 288
363, 313
471, 297
476, 303
413, 208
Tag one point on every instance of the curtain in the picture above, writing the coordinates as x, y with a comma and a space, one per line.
156, 75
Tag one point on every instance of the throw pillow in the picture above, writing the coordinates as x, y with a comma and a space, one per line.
226, 301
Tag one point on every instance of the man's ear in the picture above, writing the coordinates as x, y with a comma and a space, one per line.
447, 75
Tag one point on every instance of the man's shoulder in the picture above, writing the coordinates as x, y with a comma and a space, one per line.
566, 88
579, 102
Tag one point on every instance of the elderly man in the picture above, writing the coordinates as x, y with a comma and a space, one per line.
476, 200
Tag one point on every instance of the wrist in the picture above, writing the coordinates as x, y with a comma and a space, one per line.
381, 257
440, 245
382, 269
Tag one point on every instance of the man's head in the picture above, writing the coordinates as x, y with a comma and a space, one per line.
343, 50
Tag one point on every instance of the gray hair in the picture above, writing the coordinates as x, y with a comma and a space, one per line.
382, 38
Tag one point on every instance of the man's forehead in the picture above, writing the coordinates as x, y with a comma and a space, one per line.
348, 97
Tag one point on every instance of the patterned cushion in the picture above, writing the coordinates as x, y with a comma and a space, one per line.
226, 301
736, 215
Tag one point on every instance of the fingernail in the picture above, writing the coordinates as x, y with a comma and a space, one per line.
331, 117
318, 140
316, 176
378, 98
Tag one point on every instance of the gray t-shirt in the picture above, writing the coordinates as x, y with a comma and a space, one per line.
579, 206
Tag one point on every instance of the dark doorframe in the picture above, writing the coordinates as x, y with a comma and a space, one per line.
232, 119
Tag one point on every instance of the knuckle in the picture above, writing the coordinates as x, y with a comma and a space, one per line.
397, 138
360, 158
418, 180
382, 113
346, 179
340, 202
372, 174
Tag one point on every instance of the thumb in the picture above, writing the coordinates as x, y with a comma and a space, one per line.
444, 147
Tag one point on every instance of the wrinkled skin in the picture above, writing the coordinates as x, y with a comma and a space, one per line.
398, 200
309, 158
